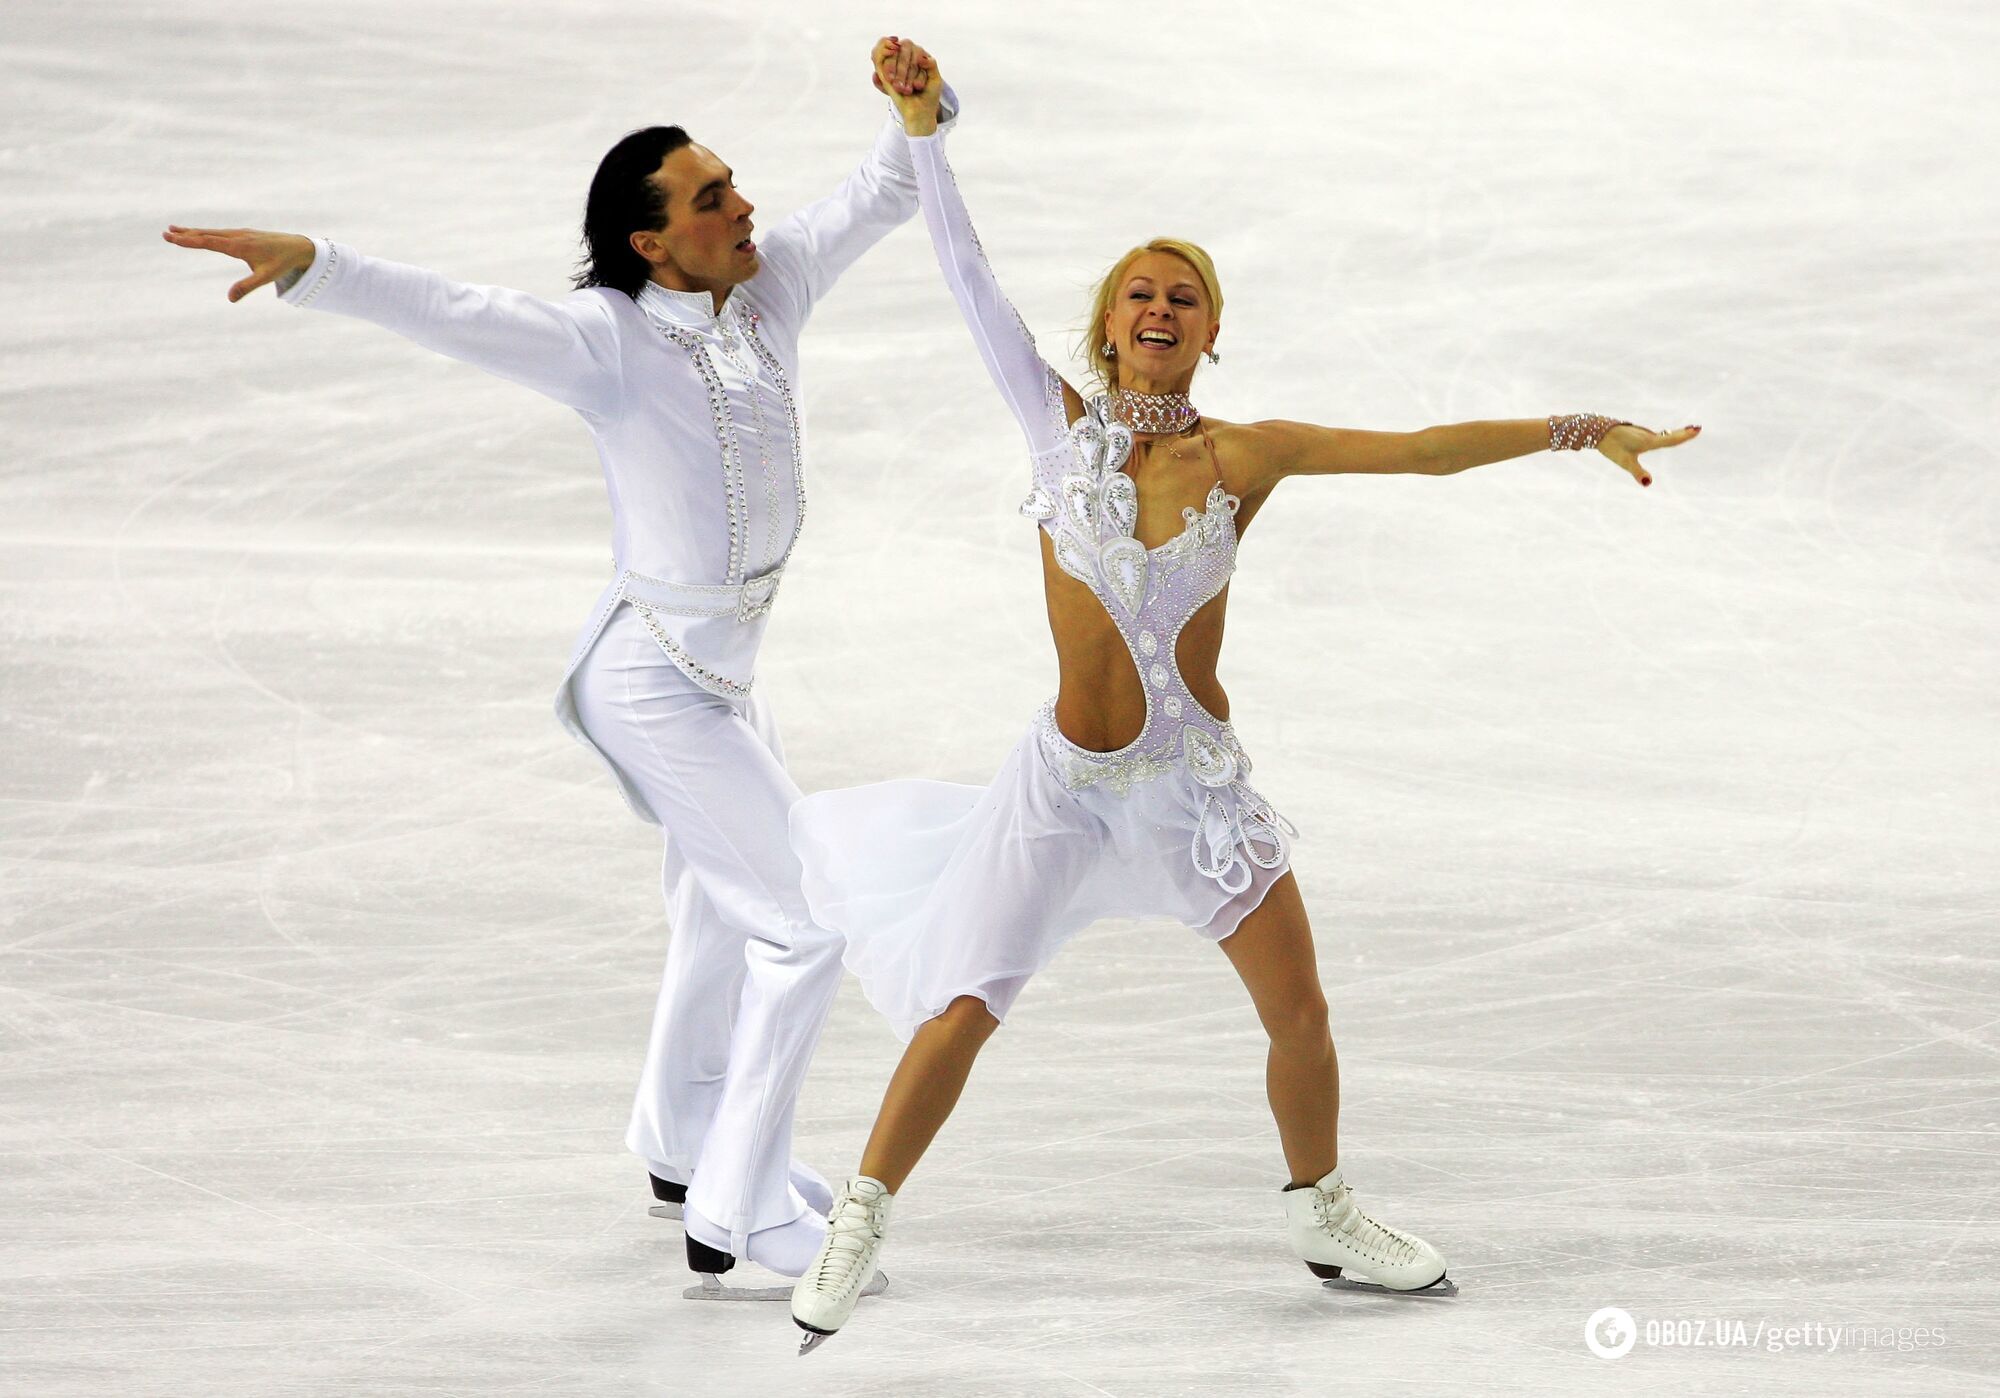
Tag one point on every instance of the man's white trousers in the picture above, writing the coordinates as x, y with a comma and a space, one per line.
749, 978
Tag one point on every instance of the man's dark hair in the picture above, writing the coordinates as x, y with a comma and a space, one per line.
625, 200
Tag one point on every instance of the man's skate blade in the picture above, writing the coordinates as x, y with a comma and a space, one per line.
1443, 1286
672, 1211
712, 1289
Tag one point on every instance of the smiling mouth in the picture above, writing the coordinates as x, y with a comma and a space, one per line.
747, 245
1155, 339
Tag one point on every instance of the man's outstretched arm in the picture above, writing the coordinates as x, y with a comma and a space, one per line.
565, 349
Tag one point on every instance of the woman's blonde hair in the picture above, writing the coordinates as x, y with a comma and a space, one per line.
1103, 365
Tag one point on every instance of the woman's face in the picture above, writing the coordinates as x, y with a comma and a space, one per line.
1160, 318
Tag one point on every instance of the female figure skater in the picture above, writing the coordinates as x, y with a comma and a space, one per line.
1129, 795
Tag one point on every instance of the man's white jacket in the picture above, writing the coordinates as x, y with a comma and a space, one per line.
695, 412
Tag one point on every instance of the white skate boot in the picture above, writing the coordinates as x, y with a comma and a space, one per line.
845, 1267
1350, 1251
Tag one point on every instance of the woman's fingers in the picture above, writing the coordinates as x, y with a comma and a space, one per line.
921, 65
1625, 461
884, 58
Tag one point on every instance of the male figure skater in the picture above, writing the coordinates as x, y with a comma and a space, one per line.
680, 351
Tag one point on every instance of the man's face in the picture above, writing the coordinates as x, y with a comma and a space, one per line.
706, 244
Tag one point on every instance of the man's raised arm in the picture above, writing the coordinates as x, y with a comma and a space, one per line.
808, 251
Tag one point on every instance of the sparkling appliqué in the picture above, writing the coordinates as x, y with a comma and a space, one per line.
760, 427
1202, 531
1079, 769
1123, 562
326, 273
1153, 412
688, 665
769, 359
733, 474
1237, 829
1208, 760
725, 434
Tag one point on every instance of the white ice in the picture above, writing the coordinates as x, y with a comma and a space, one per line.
1649, 834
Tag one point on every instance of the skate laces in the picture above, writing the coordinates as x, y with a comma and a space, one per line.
853, 1228
1338, 1213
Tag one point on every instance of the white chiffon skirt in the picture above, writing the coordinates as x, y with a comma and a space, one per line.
944, 890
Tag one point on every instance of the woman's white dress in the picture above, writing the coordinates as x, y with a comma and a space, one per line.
943, 889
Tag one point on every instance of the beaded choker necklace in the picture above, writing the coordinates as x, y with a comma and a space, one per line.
1153, 412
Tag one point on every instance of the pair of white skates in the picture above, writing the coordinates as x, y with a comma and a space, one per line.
710, 1264
1342, 1246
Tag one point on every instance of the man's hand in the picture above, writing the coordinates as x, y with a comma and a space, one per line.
910, 77
269, 255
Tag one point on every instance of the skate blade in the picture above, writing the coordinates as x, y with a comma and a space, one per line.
1443, 1286
712, 1289
813, 1339
672, 1211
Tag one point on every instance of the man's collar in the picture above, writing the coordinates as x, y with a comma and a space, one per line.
689, 308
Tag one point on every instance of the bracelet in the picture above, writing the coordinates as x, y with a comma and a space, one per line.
1580, 431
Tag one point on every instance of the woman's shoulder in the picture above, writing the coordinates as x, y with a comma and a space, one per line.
1243, 452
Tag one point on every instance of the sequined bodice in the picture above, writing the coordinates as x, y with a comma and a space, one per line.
1090, 508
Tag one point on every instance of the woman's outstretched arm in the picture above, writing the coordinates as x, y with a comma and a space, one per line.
1301, 449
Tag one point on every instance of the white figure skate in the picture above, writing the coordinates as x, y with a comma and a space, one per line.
787, 1250
1349, 1251
845, 1269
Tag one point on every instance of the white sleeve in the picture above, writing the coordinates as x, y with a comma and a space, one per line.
1008, 350
805, 254
566, 349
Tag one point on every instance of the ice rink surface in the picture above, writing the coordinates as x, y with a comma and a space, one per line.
1649, 835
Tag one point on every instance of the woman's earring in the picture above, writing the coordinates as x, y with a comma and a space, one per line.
1213, 357
1110, 351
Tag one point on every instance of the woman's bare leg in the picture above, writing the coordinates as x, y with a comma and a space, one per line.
1272, 950
925, 1088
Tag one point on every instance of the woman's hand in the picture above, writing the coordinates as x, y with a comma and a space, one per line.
910, 77
269, 255
1624, 443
